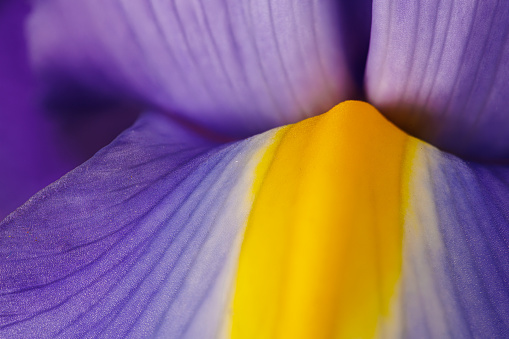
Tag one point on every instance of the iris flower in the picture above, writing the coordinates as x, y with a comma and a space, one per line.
206, 218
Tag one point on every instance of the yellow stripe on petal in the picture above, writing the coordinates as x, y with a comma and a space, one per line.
321, 257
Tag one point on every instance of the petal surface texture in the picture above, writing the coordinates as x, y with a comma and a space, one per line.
455, 280
440, 70
339, 226
360, 231
238, 68
322, 252
139, 241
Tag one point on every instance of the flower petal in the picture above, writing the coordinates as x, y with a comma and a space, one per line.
138, 240
439, 69
237, 68
455, 277
321, 256
373, 234
348, 234
27, 164
36, 147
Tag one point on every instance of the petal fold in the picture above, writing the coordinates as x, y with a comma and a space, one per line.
439, 70
237, 68
373, 234
321, 256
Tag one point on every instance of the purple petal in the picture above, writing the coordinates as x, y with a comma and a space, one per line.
29, 154
456, 269
36, 148
235, 67
440, 70
142, 241
138, 240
